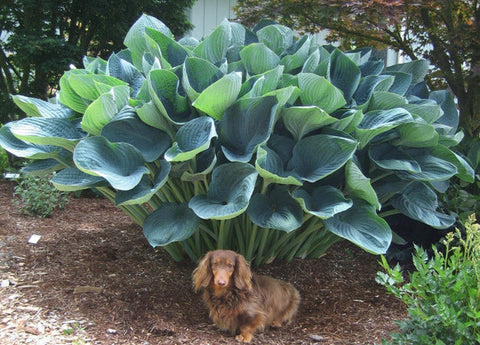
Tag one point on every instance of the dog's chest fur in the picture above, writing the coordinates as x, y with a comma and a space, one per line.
229, 310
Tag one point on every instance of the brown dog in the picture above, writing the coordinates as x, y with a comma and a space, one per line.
241, 301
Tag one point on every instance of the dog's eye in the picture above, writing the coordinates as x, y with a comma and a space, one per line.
229, 265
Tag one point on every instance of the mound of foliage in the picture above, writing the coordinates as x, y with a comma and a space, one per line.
249, 139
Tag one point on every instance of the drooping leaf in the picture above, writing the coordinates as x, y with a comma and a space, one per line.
127, 128
301, 120
46, 131
192, 138
275, 210
322, 201
170, 222
271, 167
72, 179
121, 164
21, 148
228, 194
361, 225
37, 107
318, 156
419, 202
144, 191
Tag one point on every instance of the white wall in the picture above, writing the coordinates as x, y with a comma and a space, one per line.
207, 14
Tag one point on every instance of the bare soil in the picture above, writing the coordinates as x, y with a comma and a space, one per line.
92, 278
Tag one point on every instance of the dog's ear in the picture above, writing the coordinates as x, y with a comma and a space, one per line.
202, 275
242, 276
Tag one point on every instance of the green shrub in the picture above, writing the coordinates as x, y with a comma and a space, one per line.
37, 196
4, 162
443, 294
249, 139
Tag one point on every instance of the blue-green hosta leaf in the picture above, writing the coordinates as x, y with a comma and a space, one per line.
402, 82
419, 202
246, 124
42, 167
172, 51
384, 100
390, 157
136, 36
319, 91
91, 86
197, 75
216, 98
275, 210
121, 164
417, 134
312, 62
323, 201
192, 138
150, 141
204, 163
370, 84
301, 120
37, 107
388, 186
143, 191
465, 171
163, 87
298, 56
361, 225
67, 94
214, 47
344, 74
450, 112
258, 58
104, 108
23, 149
358, 185
94, 65
372, 67
433, 168
259, 85
418, 69
379, 121
318, 156
150, 115
228, 194
276, 37
46, 131
72, 179
125, 71
348, 120
429, 112
271, 167
169, 223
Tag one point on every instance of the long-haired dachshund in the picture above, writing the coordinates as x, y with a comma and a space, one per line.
241, 301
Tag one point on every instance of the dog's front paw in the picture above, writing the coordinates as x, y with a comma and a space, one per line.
244, 338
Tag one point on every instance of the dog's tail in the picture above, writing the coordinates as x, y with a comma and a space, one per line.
292, 308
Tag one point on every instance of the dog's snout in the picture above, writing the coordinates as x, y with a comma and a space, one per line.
221, 282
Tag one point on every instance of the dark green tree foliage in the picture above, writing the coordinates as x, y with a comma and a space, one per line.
41, 38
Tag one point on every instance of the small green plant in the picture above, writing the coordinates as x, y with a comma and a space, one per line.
35, 195
443, 294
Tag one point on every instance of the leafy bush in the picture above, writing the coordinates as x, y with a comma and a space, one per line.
443, 294
36, 195
249, 140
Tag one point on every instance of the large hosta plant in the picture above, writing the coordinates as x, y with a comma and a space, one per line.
249, 139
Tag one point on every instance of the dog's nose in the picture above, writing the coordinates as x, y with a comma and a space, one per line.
221, 282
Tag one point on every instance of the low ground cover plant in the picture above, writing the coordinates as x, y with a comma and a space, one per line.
443, 294
251, 140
